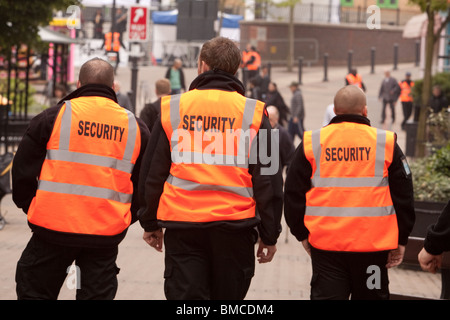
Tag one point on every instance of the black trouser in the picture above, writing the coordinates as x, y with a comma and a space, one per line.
383, 112
43, 267
210, 263
339, 275
407, 111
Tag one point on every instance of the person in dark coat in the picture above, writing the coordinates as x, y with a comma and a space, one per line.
438, 100
151, 111
274, 98
388, 94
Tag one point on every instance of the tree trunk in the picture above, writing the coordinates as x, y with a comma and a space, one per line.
426, 90
290, 57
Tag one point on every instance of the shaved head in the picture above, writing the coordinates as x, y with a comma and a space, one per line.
96, 71
274, 115
350, 100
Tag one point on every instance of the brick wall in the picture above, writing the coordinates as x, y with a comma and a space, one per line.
312, 41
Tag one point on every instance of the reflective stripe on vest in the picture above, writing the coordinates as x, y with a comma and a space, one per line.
202, 186
75, 184
350, 213
112, 41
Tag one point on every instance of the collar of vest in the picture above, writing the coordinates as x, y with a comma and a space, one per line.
89, 90
217, 79
350, 118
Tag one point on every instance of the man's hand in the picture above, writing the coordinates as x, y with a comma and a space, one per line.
154, 239
429, 262
265, 257
307, 246
395, 257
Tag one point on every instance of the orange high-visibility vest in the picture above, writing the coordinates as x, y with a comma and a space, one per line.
349, 206
354, 80
209, 133
245, 57
112, 39
256, 63
405, 95
85, 183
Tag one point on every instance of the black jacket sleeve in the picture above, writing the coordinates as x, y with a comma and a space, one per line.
265, 188
135, 175
152, 181
438, 236
402, 194
30, 156
298, 183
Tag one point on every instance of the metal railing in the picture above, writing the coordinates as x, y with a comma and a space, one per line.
314, 13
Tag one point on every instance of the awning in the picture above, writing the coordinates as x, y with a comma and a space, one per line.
416, 27
51, 36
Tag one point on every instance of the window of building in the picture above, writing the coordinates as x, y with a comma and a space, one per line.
388, 4
347, 3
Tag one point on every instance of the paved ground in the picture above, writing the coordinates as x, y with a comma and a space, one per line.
287, 277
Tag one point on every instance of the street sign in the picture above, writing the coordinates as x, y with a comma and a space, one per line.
137, 26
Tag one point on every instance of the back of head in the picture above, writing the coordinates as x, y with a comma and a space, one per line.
221, 53
350, 100
96, 71
162, 87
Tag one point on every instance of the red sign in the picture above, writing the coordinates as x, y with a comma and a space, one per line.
137, 24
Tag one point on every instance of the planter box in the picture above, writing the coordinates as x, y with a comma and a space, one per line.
427, 212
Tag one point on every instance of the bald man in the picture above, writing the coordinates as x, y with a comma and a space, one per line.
349, 200
75, 175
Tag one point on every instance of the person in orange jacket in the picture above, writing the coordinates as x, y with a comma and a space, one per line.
215, 206
406, 98
76, 176
349, 200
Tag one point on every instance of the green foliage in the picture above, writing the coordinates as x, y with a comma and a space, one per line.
20, 87
20, 20
431, 176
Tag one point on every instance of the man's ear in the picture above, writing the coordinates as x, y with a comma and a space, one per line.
78, 84
203, 67
365, 111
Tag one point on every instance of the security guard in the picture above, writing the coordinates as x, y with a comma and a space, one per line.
251, 63
76, 174
112, 43
209, 199
406, 98
349, 200
354, 78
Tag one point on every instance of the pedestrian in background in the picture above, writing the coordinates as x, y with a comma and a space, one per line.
209, 210
75, 175
349, 200
122, 98
274, 98
406, 98
150, 112
354, 78
296, 123
388, 94
175, 75
438, 100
